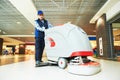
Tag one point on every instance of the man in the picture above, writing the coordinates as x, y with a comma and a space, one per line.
40, 25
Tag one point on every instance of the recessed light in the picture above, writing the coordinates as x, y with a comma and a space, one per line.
94, 30
18, 22
32, 32
4, 32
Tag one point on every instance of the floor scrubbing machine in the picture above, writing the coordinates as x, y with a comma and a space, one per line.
69, 46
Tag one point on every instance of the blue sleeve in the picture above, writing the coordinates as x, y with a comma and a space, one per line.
38, 27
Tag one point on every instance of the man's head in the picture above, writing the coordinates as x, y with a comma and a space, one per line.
40, 15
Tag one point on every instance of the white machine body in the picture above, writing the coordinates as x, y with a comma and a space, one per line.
66, 41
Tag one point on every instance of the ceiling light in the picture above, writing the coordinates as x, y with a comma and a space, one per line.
94, 30
115, 29
18, 22
32, 32
4, 32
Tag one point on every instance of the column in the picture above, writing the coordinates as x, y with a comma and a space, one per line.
104, 38
1, 45
21, 48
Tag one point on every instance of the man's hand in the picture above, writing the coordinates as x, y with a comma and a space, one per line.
43, 28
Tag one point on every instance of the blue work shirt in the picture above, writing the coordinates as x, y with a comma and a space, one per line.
40, 27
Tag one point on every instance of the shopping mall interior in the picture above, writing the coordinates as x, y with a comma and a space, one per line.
99, 19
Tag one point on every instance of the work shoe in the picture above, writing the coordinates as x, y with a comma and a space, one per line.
37, 63
40, 64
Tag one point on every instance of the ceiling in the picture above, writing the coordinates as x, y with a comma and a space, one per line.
78, 12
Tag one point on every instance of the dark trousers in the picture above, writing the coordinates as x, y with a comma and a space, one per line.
39, 47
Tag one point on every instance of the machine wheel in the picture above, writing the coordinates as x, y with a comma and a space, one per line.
62, 63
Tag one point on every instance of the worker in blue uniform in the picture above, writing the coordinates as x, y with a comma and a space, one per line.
40, 25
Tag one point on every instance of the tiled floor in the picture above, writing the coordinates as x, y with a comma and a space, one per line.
25, 70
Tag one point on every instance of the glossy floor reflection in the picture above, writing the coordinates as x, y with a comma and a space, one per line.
9, 59
26, 70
